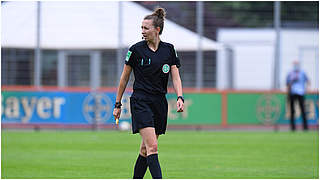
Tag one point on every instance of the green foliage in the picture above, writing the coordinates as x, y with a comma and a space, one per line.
257, 14
183, 154
300, 11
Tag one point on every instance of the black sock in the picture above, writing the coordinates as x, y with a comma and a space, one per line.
154, 166
140, 168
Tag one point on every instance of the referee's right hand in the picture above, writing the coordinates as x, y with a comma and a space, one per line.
116, 113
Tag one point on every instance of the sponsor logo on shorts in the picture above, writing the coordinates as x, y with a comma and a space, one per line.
165, 68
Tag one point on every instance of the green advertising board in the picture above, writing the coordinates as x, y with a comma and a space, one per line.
198, 109
311, 105
259, 108
254, 108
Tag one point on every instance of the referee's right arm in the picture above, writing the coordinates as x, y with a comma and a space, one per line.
123, 81
122, 86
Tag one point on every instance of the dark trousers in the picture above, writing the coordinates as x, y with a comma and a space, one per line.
300, 99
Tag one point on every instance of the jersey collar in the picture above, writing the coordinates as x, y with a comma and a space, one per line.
160, 43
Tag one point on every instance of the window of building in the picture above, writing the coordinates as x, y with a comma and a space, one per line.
17, 66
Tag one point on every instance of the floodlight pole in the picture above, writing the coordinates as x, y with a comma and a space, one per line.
37, 52
277, 26
119, 50
199, 59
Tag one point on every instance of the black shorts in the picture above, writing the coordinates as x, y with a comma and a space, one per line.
149, 111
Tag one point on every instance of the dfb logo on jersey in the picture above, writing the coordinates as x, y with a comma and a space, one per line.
165, 68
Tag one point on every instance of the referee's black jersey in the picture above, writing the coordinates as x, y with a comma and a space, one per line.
151, 68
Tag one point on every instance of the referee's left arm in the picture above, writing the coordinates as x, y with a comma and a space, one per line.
177, 86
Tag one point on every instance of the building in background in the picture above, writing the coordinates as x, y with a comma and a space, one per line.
298, 19
253, 56
80, 40
239, 14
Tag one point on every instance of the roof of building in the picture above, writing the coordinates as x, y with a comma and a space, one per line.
86, 25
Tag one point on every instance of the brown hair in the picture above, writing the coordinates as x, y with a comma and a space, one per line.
157, 17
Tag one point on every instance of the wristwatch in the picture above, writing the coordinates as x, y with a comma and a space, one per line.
180, 97
117, 105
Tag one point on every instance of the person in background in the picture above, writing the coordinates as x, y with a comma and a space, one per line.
296, 87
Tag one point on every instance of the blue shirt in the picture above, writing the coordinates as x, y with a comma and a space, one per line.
297, 80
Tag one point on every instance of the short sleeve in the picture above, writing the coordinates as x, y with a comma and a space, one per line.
175, 58
130, 57
288, 79
305, 76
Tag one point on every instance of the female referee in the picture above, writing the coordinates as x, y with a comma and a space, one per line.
151, 61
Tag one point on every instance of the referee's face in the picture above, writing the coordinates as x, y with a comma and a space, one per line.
149, 32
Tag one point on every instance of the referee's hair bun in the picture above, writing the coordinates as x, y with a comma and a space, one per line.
159, 12
157, 17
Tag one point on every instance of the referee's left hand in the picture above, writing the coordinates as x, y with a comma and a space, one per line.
180, 105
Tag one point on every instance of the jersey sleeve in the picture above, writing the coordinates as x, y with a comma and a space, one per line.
305, 77
175, 58
288, 79
130, 56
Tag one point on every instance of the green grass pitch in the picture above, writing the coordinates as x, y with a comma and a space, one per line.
182, 154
